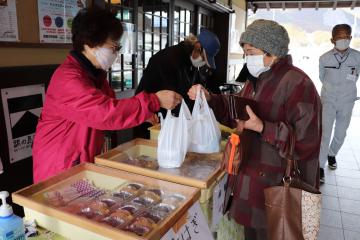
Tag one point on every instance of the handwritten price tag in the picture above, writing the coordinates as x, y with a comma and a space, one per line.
193, 227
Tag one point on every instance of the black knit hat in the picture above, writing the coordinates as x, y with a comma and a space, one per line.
268, 36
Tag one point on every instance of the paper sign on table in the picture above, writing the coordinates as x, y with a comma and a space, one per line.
194, 228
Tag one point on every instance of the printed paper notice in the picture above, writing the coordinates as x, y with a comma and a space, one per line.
55, 19
218, 202
22, 108
8, 20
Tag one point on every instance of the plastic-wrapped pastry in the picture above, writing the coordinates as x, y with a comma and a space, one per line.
96, 208
142, 161
174, 199
109, 202
128, 191
147, 199
165, 208
153, 215
135, 186
119, 217
155, 191
142, 225
131, 208
75, 207
147, 162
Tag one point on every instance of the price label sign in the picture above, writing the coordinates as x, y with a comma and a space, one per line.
192, 226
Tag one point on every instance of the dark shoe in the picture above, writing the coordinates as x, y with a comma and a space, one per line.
332, 162
322, 175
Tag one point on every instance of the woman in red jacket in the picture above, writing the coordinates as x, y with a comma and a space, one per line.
79, 102
285, 97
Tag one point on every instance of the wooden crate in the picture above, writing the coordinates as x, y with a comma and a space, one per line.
115, 157
73, 226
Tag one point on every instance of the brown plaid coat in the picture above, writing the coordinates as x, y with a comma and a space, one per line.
285, 94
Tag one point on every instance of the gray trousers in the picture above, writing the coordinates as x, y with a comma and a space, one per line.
337, 113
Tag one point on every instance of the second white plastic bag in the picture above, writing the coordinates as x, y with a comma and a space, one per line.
173, 140
205, 133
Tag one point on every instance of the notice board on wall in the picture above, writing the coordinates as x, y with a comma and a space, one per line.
31, 26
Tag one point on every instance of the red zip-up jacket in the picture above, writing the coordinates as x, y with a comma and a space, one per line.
78, 106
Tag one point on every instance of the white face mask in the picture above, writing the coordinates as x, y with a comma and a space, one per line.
105, 57
197, 62
255, 65
342, 44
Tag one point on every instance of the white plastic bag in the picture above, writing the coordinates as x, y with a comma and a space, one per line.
173, 140
205, 133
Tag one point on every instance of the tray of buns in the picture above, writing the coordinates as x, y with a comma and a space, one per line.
108, 202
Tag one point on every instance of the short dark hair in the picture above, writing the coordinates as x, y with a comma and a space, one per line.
93, 26
339, 27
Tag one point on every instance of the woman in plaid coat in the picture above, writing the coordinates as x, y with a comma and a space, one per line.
285, 97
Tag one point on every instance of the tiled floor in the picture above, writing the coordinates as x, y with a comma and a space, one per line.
340, 216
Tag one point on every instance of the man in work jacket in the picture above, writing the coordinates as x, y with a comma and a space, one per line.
338, 71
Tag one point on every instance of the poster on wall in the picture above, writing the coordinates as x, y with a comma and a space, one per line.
8, 20
22, 108
55, 19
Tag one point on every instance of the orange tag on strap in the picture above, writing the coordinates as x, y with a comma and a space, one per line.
234, 140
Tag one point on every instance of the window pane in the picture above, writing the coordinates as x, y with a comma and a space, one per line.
116, 79
147, 57
148, 45
187, 29
140, 41
148, 19
176, 41
182, 29
117, 64
188, 16
140, 59
165, 9
127, 15
164, 23
163, 41
203, 20
176, 29
176, 15
157, 13
156, 42
182, 15
156, 24
128, 79
127, 61
140, 73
